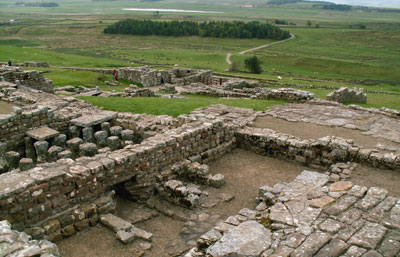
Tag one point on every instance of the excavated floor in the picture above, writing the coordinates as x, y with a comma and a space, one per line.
244, 171
306, 130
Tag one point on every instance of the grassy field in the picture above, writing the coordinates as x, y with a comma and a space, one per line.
332, 55
173, 107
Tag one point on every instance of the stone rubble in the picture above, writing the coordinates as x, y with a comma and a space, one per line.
14, 243
298, 228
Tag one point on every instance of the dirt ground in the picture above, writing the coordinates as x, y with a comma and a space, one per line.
306, 130
5, 108
244, 172
371, 177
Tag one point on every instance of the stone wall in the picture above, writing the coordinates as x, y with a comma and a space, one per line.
182, 76
345, 95
254, 92
35, 197
144, 75
152, 77
315, 153
32, 78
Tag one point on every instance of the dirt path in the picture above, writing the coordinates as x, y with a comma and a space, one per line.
228, 56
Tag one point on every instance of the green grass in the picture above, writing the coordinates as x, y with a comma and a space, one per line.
22, 54
373, 100
173, 107
63, 77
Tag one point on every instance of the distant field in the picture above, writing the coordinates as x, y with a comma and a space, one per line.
71, 35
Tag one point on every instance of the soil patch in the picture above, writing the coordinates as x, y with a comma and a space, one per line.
5, 108
370, 177
244, 172
306, 130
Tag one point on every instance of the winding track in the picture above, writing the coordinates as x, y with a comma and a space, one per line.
228, 56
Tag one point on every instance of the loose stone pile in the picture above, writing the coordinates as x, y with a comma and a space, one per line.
345, 95
310, 217
135, 91
14, 243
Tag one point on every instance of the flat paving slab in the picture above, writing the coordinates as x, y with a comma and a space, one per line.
91, 120
43, 133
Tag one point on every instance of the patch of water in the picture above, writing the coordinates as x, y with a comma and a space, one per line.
166, 10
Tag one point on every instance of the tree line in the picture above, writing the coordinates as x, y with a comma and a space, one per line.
218, 29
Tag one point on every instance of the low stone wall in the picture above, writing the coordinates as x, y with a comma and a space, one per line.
315, 153
287, 94
13, 127
32, 78
31, 198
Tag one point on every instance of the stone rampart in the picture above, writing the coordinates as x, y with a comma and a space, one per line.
44, 195
315, 153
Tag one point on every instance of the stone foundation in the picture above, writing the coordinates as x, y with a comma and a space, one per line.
320, 153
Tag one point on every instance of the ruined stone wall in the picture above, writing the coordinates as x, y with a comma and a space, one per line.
144, 75
287, 94
32, 78
315, 153
345, 95
36, 197
183, 76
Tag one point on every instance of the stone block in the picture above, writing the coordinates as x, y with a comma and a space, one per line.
217, 181
12, 159
101, 138
87, 149
116, 131
60, 141
74, 131
73, 145
115, 223
113, 143
87, 134
41, 150
42, 133
65, 154
105, 126
25, 164
125, 237
142, 234
127, 135
53, 152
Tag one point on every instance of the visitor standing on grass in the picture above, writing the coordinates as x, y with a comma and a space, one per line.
115, 74
9, 63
